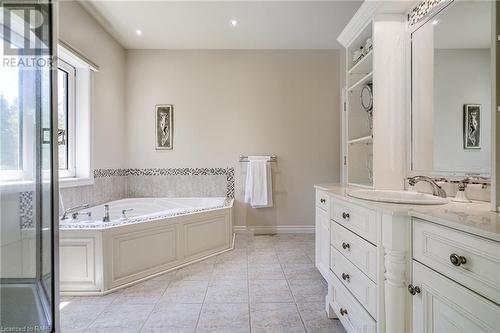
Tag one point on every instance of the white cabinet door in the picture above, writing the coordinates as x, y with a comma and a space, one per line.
322, 242
444, 306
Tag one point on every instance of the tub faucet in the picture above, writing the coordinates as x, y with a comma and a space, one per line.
75, 209
124, 213
106, 214
76, 214
436, 189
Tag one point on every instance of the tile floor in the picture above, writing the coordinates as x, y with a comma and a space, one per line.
266, 284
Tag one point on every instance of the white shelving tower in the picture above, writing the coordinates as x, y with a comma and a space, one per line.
358, 134
376, 157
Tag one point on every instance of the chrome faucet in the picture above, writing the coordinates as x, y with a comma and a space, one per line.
124, 213
436, 189
73, 210
76, 214
106, 214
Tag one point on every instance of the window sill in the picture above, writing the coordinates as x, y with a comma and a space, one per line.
17, 186
74, 182
28, 185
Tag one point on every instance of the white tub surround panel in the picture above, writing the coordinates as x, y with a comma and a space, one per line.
97, 259
370, 272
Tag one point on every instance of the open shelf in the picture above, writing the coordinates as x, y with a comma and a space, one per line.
357, 86
364, 65
365, 139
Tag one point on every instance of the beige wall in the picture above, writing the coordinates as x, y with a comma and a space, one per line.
82, 32
251, 102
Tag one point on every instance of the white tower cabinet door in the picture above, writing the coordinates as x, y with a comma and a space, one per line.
444, 306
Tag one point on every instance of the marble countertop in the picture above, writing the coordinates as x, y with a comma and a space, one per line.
475, 218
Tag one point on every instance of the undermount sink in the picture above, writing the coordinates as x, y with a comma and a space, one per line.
400, 197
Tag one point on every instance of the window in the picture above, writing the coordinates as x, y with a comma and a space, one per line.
74, 128
11, 158
17, 132
66, 118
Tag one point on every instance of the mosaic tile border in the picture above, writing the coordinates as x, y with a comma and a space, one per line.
99, 225
228, 172
101, 173
26, 210
422, 9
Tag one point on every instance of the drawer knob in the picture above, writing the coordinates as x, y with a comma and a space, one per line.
345, 215
322, 200
457, 260
343, 312
345, 277
346, 246
413, 289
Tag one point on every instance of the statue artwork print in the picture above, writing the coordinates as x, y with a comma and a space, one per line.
164, 126
472, 126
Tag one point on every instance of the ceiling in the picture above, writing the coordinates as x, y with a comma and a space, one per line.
464, 24
207, 24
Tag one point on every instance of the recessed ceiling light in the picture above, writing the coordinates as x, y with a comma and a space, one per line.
138, 32
435, 22
234, 22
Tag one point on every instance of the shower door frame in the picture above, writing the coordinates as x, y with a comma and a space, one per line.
48, 300
54, 33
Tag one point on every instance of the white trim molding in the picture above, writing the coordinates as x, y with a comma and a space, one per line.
364, 14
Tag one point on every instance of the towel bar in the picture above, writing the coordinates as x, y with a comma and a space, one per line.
272, 158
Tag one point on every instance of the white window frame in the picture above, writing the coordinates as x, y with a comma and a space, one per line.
70, 172
80, 170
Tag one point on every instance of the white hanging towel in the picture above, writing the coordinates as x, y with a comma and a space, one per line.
258, 185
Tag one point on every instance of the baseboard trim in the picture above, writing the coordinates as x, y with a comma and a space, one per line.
282, 229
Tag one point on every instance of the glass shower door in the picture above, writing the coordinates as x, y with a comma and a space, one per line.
28, 178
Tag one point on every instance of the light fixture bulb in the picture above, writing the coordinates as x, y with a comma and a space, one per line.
234, 22
138, 32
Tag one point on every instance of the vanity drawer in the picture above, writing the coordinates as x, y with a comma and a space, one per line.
352, 315
360, 252
364, 289
322, 200
359, 220
434, 246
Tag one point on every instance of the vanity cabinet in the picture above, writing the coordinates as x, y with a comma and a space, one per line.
392, 271
442, 305
467, 259
349, 236
455, 280
353, 265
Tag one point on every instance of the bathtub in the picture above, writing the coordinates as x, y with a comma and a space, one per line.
155, 235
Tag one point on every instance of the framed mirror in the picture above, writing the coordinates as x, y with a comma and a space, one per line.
451, 93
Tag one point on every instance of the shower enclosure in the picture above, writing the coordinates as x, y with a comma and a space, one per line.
28, 168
